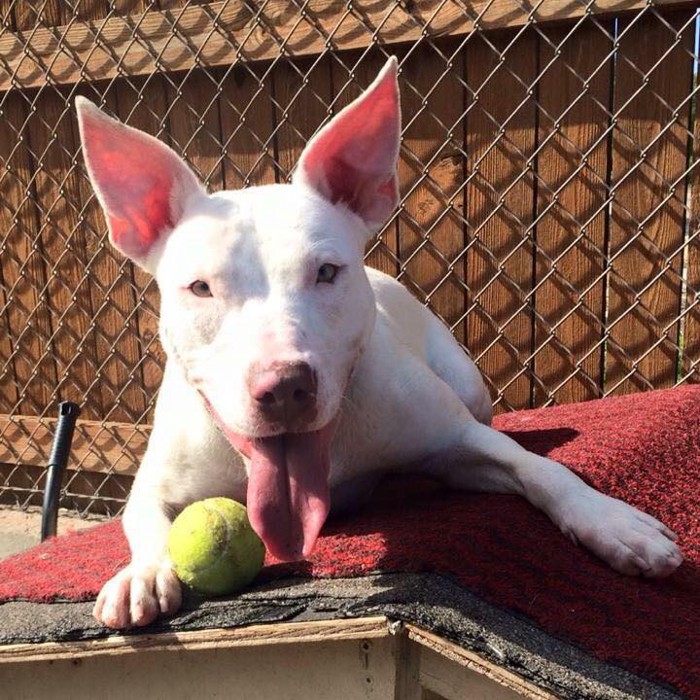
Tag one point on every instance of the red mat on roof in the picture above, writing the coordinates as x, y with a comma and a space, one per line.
643, 448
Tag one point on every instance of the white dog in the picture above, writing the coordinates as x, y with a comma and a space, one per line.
295, 375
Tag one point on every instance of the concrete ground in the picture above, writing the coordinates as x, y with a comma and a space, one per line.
20, 529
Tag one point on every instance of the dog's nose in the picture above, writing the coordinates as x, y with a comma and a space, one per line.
284, 393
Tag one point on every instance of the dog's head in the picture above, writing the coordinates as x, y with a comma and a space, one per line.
265, 303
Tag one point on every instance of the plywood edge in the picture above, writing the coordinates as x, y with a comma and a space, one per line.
220, 33
310, 632
474, 662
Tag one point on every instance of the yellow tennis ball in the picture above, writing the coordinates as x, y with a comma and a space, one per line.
213, 548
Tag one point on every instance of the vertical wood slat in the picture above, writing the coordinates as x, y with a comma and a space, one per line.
572, 211
429, 241
107, 294
640, 310
691, 325
126, 326
142, 105
28, 326
246, 112
499, 210
302, 106
78, 304
118, 354
12, 195
9, 393
70, 298
195, 126
27, 268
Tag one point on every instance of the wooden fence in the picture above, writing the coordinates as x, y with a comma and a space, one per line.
549, 211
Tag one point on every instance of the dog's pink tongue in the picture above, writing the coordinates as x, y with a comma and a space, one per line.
288, 493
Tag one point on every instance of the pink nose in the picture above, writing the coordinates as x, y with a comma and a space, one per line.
284, 393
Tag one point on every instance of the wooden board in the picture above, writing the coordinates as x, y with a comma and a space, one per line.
69, 53
11, 156
28, 327
68, 248
281, 634
110, 283
26, 270
501, 138
303, 93
571, 212
431, 227
195, 124
116, 393
690, 366
143, 105
99, 446
247, 127
354, 668
641, 308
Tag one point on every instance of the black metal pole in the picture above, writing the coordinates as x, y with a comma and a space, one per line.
68, 413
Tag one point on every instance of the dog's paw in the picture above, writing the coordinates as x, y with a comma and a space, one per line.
137, 595
629, 540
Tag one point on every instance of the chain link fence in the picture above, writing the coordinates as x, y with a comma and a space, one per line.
549, 210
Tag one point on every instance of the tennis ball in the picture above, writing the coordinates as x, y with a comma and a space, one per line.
213, 548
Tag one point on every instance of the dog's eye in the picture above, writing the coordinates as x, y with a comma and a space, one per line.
326, 273
200, 289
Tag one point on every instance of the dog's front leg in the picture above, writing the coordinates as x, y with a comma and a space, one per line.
148, 586
630, 541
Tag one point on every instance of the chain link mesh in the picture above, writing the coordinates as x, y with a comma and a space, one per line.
549, 210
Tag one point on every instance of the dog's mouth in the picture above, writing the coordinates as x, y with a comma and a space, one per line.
288, 491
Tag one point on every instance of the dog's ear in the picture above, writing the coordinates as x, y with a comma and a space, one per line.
353, 158
142, 184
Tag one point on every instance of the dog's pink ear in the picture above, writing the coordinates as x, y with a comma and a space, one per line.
353, 158
141, 184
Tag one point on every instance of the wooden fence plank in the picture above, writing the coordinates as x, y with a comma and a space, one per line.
24, 268
247, 128
143, 104
97, 446
499, 209
21, 345
67, 247
140, 291
107, 293
68, 54
691, 323
60, 240
27, 16
641, 307
570, 365
9, 394
431, 226
195, 125
303, 94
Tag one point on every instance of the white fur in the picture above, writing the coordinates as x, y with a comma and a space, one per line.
404, 393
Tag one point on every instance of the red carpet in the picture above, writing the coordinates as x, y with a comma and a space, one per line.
643, 448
